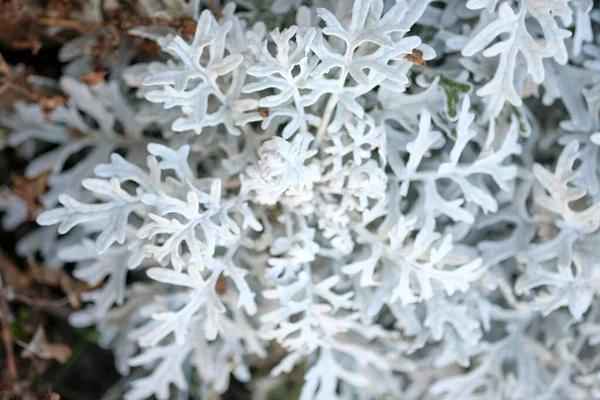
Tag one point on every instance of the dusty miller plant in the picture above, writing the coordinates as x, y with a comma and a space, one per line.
396, 199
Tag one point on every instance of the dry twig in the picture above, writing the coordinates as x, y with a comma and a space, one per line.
6, 337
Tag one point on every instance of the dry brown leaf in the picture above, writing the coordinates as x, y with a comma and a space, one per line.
23, 22
16, 279
5, 68
39, 274
39, 347
149, 47
63, 8
216, 12
106, 43
12, 10
416, 57
52, 396
264, 112
73, 289
185, 25
30, 190
49, 103
221, 285
94, 77
13, 85
188, 28
58, 278
31, 42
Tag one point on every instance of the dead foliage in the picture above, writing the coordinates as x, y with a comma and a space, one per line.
14, 86
40, 348
35, 289
93, 77
49, 103
416, 57
30, 191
